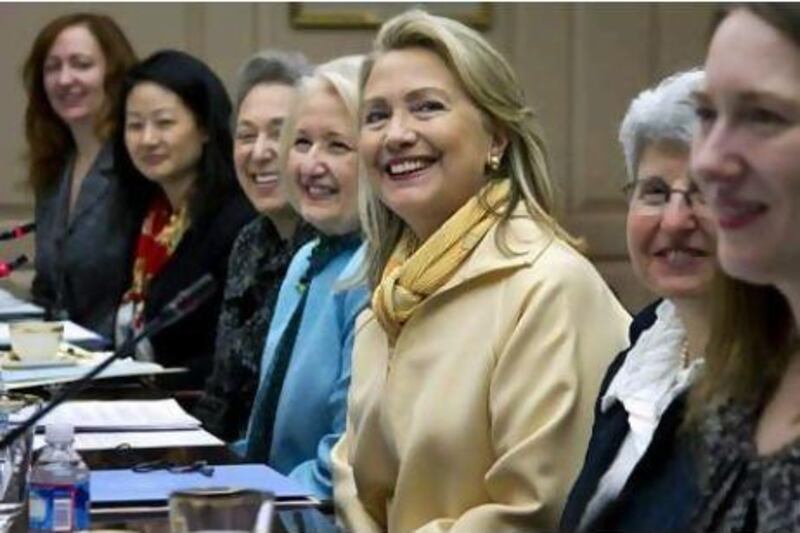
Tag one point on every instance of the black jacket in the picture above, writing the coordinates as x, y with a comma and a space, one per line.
83, 261
204, 248
661, 492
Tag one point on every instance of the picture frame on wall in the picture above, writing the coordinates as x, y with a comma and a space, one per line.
370, 15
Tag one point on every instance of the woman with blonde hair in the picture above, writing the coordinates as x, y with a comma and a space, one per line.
85, 224
745, 155
475, 369
299, 409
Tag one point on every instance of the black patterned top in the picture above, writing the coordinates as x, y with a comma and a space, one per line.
257, 266
743, 491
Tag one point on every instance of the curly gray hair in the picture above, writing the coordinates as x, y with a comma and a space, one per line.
662, 113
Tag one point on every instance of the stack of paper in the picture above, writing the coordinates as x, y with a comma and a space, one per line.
137, 423
13, 307
122, 415
51, 375
139, 439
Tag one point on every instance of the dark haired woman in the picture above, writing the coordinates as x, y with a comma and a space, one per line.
176, 147
85, 226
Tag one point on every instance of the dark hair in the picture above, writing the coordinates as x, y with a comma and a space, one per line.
203, 93
48, 138
753, 332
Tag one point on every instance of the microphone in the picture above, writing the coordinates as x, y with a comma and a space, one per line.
17, 232
187, 301
184, 303
7, 267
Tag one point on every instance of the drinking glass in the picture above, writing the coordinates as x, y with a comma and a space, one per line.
220, 509
15, 461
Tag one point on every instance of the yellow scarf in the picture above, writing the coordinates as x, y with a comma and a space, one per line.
412, 275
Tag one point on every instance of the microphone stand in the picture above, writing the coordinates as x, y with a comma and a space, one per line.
184, 303
19, 231
7, 267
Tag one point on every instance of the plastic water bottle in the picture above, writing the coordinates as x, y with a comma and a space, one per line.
59, 485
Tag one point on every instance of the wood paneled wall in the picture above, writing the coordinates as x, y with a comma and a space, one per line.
580, 65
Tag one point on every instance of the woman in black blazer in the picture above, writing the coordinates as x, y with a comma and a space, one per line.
639, 474
85, 224
175, 150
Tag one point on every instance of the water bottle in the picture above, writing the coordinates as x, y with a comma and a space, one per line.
59, 485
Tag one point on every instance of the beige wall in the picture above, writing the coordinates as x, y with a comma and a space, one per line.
579, 63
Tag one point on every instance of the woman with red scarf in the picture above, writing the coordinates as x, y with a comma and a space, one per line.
175, 148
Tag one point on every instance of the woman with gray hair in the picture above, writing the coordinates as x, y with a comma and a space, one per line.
638, 474
263, 249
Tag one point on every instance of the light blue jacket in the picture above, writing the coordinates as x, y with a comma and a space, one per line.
312, 407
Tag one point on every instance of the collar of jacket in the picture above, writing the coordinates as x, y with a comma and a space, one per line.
526, 238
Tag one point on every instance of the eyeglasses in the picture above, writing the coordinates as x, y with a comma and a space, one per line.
201, 467
652, 196
129, 457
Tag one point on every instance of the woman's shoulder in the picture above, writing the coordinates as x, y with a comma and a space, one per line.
642, 321
558, 266
542, 248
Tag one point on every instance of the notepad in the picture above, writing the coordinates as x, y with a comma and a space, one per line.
122, 415
35, 377
156, 486
108, 440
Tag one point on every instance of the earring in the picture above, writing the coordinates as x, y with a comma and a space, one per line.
493, 161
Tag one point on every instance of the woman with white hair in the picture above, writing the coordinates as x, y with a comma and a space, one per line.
475, 369
639, 474
300, 408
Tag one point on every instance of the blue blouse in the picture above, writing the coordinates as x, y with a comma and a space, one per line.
312, 408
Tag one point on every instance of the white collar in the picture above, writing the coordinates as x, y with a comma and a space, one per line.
652, 376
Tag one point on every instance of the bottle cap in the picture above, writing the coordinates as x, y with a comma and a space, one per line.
59, 433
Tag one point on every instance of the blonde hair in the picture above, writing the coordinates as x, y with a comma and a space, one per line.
341, 75
490, 83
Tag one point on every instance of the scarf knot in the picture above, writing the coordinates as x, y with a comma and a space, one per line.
414, 272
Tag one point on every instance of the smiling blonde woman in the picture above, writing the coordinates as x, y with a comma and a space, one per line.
474, 369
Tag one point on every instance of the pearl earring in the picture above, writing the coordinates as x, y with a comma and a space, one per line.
493, 161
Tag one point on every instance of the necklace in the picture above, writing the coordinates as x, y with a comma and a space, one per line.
685, 354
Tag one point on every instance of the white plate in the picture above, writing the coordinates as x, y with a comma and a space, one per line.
7, 362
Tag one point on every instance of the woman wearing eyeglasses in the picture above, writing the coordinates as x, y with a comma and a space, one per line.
638, 474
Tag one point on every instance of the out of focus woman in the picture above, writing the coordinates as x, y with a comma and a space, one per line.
475, 370
85, 225
263, 249
176, 146
300, 409
747, 158
639, 473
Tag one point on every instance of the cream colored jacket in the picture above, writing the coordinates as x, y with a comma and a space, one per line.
478, 419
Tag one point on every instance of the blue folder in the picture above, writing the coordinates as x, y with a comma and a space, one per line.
114, 487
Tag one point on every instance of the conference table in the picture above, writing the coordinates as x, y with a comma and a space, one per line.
293, 514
